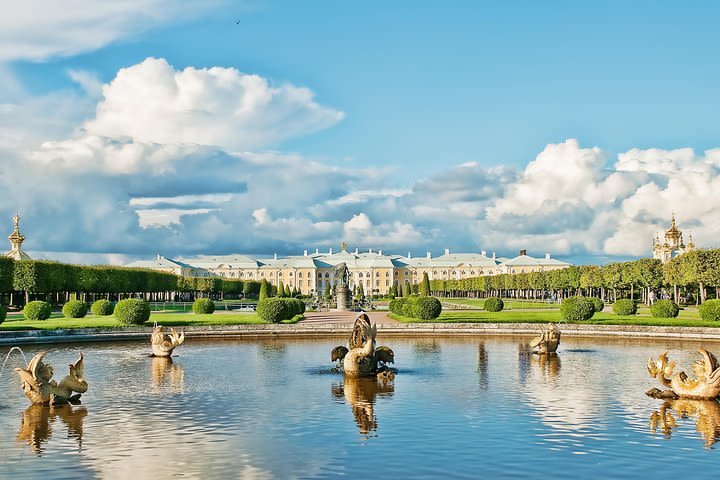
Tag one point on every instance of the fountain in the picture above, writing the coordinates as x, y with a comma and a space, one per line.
8, 356
39, 387
163, 344
361, 358
548, 341
704, 385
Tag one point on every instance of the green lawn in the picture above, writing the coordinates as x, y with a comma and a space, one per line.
167, 319
686, 318
509, 304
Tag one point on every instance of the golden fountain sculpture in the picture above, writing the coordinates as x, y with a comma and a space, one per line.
362, 358
703, 385
163, 344
39, 387
548, 340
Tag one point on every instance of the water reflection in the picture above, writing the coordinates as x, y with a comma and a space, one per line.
166, 372
705, 412
360, 394
482, 368
524, 354
547, 365
37, 421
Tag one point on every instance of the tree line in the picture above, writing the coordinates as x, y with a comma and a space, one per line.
56, 282
693, 276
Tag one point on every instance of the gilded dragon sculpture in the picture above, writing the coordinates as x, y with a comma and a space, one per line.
548, 340
703, 385
163, 344
39, 387
361, 358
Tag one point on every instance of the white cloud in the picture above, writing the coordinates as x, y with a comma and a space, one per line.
40, 29
153, 102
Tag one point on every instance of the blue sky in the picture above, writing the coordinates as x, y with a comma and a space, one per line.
422, 88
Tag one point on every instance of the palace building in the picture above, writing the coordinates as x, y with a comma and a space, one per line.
314, 272
672, 245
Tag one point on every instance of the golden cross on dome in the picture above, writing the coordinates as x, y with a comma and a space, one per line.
16, 220
343, 246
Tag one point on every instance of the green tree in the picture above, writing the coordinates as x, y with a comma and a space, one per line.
281, 289
425, 286
264, 293
406, 289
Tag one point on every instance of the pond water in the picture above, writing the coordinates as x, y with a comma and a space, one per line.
464, 408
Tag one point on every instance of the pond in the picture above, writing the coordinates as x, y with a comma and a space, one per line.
458, 407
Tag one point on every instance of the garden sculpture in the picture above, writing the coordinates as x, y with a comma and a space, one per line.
39, 386
163, 344
361, 358
704, 384
342, 274
548, 340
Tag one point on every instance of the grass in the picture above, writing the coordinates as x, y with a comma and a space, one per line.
687, 318
167, 319
510, 304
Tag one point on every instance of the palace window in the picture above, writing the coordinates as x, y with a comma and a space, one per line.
406, 273
415, 273
377, 274
309, 282
387, 283
279, 274
377, 283
272, 275
360, 274
319, 275
291, 274
262, 274
396, 274
300, 274
327, 275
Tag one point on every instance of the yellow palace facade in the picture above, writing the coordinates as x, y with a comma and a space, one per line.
314, 272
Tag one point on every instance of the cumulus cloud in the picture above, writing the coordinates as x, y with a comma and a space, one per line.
40, 29
153, 102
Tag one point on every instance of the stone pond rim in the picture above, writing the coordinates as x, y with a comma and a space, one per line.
299, 330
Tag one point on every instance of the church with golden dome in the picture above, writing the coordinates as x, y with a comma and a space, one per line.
673, 244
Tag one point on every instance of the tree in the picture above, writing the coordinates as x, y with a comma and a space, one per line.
361, 291
425, 286
281, 289
395, 290
263, 290
406, 290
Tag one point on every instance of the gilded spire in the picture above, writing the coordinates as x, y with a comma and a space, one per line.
343, 246
16, 239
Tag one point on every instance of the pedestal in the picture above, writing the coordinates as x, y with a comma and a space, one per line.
342, 294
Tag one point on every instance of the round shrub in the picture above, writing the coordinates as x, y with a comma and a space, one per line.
493, 304
133, 311
664, 309
37, 310
396, 305
203, 306
75, 309
102, 308
298, 305
577, 309
274, 310
597, 303
3, 313
408, 309
625, 306
710, 310
426, 308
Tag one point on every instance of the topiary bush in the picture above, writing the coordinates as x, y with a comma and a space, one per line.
575, 309
3, 313
493, 304
396, 305
710, 310
296, 306
37, 310
102, 308
664, 309
274, 309
75, 309
132, 311
597, 303
203, 306
426, 308
625, 306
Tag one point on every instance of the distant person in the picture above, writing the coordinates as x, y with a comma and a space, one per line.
652, 297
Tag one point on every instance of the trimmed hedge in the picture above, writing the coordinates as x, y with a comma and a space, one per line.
37, 310
710, 310
625, 306
664, 309
102, 308
132, 311
75, 309
203, 306
3, 313
493, 304
277, 309
396, 305
423, 308
576, 309
597, 303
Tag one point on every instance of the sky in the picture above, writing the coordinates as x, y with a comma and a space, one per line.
141, 127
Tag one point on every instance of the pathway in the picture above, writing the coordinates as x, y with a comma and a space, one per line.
320, 318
